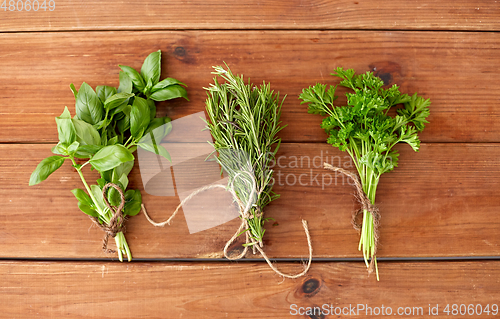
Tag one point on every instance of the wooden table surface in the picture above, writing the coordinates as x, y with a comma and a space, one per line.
440, 234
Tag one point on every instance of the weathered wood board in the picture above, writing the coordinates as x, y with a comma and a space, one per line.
243, 290
438, 202
458, 71
70, 15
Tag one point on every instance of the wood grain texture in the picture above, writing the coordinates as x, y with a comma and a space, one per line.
459, 72
251, 14
238, 290
438, 202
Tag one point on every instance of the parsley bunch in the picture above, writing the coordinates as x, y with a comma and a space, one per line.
367, 133
110, 123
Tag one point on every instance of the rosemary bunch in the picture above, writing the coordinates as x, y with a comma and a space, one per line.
244, 121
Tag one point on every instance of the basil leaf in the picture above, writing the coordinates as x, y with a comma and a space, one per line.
65, 127
88, 210
136, 78
147, 89
139, 117
89, 107
151, 68
60, 149
117, 100
82, 197
156, 123
45, 168
123, 124
73, 89
133, 202
124, 181
152, 109
73, 147
168, 93
156, 149
166, 82
113, 141
101, 182
122, 169
107, 175
110, 157
125, 83
105, 92
97, 192
114, 197
87, 151
86, 134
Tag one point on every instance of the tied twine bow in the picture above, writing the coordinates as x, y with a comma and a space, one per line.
244, 211
366, 205
116, 223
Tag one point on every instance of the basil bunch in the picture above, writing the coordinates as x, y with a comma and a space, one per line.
108, 126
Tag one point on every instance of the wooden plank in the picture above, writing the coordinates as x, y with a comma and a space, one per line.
251, 14
438, 202
459, 72
243, 290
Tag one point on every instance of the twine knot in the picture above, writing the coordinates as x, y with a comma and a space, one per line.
117, 221
366, 205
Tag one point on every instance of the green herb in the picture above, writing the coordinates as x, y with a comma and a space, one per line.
109, 125
245, 118
364, 129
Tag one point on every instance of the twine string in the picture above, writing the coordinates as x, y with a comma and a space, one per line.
366, 205
244, 211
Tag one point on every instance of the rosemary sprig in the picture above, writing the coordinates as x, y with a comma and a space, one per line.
245, 120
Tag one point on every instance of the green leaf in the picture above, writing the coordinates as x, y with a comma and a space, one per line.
65, 128
133, 202
110, 157
124, 123
122, 169
124, 181
152, 109
117, 100
114, 197
166, 82
113, 140
82, 197
125, 83
87, 151
147, 89
73, 89
45, 168
97, 192
136, 78
102, 182
139, 117
73, 147
168, 93
86, 133
60, 149
156, 123
156, 149
88, 106
151, 68
89, 210
105, 92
